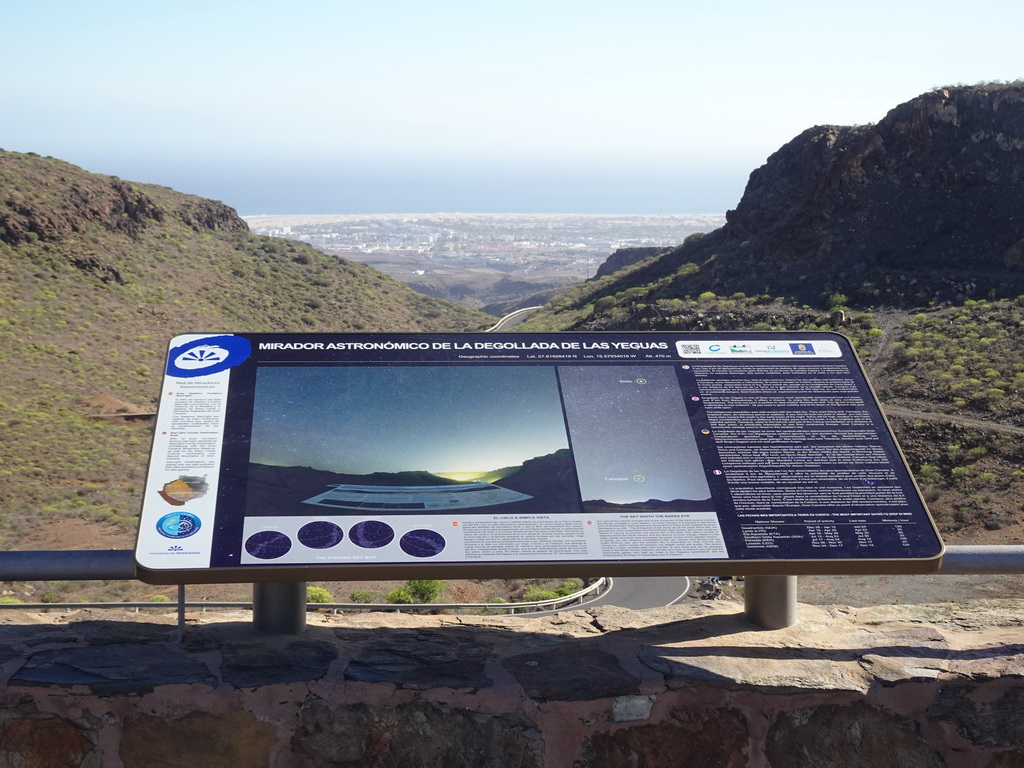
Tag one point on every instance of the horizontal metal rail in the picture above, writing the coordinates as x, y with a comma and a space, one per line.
137, 605
68, 565
979, 559
119, 564
131, 605
769, 601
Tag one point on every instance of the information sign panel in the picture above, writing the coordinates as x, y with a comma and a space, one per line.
352, 456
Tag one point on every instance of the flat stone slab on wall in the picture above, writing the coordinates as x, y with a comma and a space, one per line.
907, 686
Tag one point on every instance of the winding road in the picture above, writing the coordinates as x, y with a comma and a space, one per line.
512, 319
635, 593
638, 592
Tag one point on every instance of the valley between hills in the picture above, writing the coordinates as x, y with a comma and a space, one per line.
907, 236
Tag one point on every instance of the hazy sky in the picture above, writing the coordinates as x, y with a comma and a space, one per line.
580, 106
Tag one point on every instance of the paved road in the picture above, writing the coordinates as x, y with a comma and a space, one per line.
643, 592
636, 593
512, 319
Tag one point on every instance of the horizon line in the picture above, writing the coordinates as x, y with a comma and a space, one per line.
488, 213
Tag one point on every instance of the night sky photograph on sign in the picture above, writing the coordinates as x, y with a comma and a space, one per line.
427, 439
439, 419
408, 439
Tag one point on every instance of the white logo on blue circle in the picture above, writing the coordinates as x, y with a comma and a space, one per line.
201, 357
178, 525
207, 356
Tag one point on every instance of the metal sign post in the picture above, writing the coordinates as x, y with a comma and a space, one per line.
279, 608
770, 601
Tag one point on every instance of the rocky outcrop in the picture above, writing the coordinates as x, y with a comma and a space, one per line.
204, 215
934, 189
937, 183
926, 205
623, 257
909, 686
47, 200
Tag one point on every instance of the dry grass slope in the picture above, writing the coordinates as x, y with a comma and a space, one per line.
96, 275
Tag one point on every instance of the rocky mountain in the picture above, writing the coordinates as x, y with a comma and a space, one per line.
96, 275
931, 194
925, 206
908, 236
49, 201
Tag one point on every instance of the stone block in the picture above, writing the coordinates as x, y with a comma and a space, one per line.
705, 737
424, 734
847, 736
996, 722
113, 669
247, 665
572, 672
422, 660
230, 740
33, 739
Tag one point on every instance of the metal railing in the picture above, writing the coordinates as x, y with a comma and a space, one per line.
769, 601
278, 608
512, 609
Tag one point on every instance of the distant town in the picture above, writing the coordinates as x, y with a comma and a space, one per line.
471, 258
484, 236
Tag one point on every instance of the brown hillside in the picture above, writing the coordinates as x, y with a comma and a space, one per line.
96, 276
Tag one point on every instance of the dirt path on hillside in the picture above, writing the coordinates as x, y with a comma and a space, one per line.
891, 322
992, 426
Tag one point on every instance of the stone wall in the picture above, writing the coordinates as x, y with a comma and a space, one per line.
694, 685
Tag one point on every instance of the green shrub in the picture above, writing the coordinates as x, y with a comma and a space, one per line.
318, 595
425, 590
50, 597
835, 300
362, 596
535, 594
400, 596
960, 474
158, 599
568, 587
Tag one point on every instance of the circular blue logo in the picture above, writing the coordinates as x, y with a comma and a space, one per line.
178, 525
206, 356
